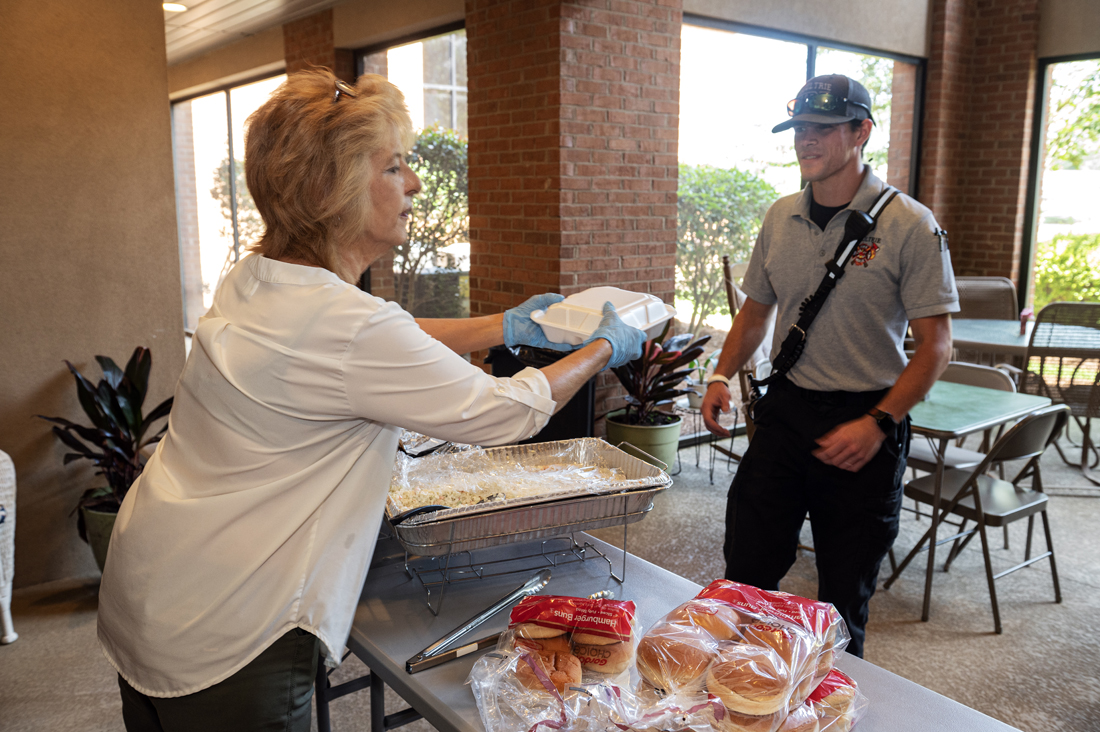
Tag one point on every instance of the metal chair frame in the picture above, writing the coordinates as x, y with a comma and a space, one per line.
986, 501
1063, 363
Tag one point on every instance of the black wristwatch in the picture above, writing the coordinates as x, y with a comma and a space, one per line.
878, 415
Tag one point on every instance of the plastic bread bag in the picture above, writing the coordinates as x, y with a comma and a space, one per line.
515, 691
834, 706
601, 634
761, 653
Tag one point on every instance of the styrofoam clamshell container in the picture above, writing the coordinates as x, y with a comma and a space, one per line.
576, 317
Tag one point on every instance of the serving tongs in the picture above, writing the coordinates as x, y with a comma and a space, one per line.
438, 652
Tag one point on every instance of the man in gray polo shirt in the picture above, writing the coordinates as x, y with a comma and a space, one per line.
832, 436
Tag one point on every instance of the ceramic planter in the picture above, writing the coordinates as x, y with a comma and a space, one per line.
99, 525
660, 442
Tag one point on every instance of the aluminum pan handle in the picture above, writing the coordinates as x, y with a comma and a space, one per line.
529, 587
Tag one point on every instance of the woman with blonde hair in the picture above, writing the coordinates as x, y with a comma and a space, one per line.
238, 556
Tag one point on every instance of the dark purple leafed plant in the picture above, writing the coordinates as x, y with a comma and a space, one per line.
119, 430
656, 376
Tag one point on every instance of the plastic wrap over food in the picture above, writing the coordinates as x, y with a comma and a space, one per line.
482, 479
834, 706
760, 653
600, 634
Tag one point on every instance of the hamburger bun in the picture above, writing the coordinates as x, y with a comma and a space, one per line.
801, 719
750, 680
837, 710
532, 630
562, 669
613, 658
718, 619
672, 656
735, 722
544, 646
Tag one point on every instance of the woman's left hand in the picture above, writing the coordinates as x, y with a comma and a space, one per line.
520, 330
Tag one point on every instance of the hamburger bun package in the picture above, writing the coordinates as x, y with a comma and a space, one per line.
759, 653
550, 665
734, 659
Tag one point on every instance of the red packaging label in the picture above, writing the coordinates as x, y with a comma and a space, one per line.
605, 618
812, 615
833, 681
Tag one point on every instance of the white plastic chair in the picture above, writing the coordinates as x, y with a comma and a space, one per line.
7, 545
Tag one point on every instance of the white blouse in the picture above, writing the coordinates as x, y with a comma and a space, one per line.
260, 508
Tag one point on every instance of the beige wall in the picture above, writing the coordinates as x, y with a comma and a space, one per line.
1068, 27
88, 257
900, 26
359, 23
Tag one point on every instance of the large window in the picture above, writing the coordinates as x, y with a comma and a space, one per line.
735, 83
429, 274
216, 215
1064, 259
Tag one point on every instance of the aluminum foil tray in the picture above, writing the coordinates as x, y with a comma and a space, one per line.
494, 523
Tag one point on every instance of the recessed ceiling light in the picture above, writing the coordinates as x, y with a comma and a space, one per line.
174, 7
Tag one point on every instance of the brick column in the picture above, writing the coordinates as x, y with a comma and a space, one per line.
903, 103
981, 89
573, 119
308, 42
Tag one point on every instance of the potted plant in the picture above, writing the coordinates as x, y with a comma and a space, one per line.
652, 380
698, 379
114, 443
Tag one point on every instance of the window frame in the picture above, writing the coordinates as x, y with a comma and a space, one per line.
1035, 167
812, 43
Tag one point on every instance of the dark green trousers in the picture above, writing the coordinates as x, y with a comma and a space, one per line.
270, 694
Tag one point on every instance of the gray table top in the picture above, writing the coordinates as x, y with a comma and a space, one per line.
393, 623
954, 410
991, 336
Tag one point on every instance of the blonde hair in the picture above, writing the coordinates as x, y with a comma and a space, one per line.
308, 163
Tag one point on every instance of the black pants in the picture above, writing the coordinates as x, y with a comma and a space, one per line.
854, 516
271, 694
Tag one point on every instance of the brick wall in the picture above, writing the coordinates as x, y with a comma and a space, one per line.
573, 119
981, 86
308, 42
902, 106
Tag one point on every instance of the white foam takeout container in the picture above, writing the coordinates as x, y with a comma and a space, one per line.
576, 317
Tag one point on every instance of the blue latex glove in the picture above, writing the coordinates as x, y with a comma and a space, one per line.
520, 330
626, 340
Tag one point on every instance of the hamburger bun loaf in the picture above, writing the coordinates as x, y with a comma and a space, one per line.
671, 656
718, 619
533, 630
750, 680
611, 658
801, 719
837, 710
591, 639
544, 646
735, 722
562, 669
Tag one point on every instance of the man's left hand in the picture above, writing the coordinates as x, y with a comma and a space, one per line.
851, 445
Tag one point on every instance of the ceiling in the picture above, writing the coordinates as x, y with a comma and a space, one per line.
208, 24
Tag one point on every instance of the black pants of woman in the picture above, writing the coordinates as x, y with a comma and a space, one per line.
271, 694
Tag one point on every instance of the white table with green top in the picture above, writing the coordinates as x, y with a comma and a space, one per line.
991, 337
952, 411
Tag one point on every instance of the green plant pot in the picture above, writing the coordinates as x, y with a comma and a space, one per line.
655, 445
99, 525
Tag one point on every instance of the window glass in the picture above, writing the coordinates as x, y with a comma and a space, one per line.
429, 274
1067, 249
877, 76
211, 240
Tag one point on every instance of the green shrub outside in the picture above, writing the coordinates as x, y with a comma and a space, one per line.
1067, 269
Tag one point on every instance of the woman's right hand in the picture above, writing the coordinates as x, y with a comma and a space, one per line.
626, 340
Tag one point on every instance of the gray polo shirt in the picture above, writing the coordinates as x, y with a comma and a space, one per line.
900, 272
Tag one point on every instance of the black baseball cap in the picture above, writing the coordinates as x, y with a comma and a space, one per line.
828, 100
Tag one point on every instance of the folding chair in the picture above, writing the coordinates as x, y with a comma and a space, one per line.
985, 298
1063, 363
976, 497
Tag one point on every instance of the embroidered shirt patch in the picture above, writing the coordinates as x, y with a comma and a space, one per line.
864, 253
